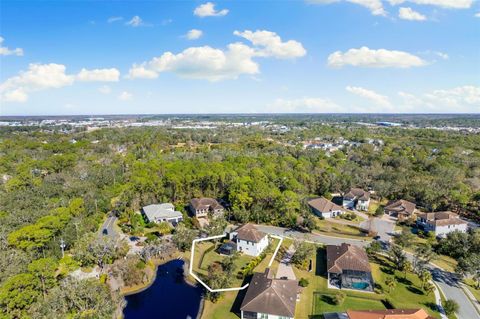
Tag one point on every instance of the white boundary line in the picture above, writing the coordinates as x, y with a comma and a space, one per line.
217, 237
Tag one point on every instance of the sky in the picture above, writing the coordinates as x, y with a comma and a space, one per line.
298, 56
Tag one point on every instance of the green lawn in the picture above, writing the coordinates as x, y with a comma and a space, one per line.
329, 228
323, 303
473, 288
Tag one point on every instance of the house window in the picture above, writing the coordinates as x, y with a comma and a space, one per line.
263, 316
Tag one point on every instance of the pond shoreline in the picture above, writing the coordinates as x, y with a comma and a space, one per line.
152, 279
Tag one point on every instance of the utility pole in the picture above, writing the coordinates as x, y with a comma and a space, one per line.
62, 246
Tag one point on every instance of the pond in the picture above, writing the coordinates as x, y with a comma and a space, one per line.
168, 297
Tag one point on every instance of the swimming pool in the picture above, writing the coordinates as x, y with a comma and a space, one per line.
360, 285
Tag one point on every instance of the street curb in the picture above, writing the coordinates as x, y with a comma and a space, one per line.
471, 298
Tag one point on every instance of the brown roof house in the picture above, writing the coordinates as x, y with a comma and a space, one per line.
325, 208
201, 207
381, 314
348, 268
249, 240
401, 209
441, 223
356, 198
268, 297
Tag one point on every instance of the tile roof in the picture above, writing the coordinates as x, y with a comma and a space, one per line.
205, 203
346, 257
323, 205
442, 218
401, 206
249, 232
357, 193
266, 294
389, 314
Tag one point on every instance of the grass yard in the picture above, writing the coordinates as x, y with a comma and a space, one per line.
326, 227
222, 309
323, 302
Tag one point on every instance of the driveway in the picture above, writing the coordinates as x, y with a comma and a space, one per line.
108, 227
284, 267
447, 282
383, 227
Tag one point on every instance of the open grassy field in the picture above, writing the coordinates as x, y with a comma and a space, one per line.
323, 302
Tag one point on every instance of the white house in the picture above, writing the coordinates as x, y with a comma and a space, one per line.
269, 298
165, 212
441, 223
249, 240
356, 198
324, 208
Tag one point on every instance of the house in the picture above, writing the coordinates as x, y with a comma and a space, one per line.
348, 268
269, 298
441, 223
401, 209
165, 212
324, 208
380, 314
356, 198
201, 207
249, 240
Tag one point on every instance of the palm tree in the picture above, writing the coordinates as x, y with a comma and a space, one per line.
407, 267
391, 283
429, 288
425, 277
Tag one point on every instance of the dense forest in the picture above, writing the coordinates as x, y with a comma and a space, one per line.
57, 188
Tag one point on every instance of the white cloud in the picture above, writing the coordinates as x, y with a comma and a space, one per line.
38, 77
216, 64
304, 105
105, 89
125, 96
194, 34
98, 75
7, 51
459, 99
114, 19
448, 4
477, 15
409, 14
208, 10
271, 44
375, 6
378, 99
382, 58
141, 72
136, 21
442, 55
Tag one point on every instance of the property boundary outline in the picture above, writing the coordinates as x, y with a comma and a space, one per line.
218, 237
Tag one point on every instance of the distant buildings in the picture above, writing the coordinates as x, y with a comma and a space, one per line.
441, 223
165, 212
401, 209
356, 198
269, 298
348, 267
324, 208
249, 240
201, 207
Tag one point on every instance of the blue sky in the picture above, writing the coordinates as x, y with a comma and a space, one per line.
117, 57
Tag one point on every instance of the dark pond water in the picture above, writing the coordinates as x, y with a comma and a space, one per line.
169, 297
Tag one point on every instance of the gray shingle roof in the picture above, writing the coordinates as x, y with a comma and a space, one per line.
161, 211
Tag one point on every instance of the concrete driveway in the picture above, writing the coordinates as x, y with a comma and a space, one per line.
108, 227
285, 269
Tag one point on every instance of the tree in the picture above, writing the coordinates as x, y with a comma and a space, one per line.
44, 270
339, 298
216, 227
374, 248
303, 252
130, 270
183, 237
470, 265
450, 306
391, 283
405, 238
407, 267
397, 256
424, 254
425, 277
429, 288
17, 294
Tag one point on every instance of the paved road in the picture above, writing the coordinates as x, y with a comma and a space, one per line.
108, 225
447, 282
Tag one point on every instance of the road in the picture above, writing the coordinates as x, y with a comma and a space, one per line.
109, 226
447, 282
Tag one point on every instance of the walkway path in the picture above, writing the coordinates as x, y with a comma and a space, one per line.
285, 269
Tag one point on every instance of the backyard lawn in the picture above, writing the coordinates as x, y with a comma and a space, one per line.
323, 302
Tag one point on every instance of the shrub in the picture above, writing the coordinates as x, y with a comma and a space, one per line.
103, 278
450, 306
303, 282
